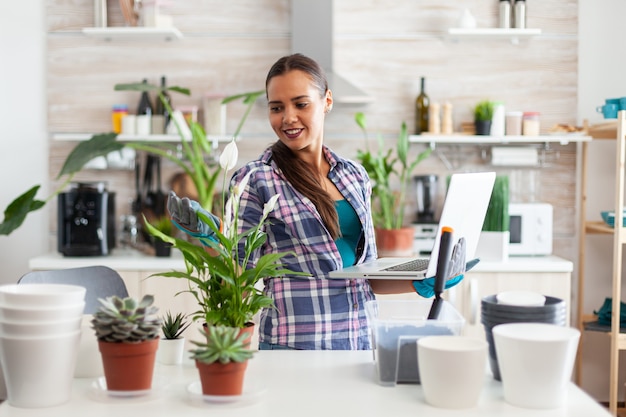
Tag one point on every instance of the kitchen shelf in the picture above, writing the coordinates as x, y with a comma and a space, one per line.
461, 139
514, 35
615, 130
77, 137
110, 33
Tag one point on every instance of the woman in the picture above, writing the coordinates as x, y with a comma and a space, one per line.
322, 215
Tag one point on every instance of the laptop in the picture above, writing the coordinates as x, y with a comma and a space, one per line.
464, 211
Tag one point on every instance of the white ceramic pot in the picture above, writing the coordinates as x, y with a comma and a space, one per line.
41, 295
536, 362
171, 351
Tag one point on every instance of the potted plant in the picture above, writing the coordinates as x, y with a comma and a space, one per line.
128, 335
164, 225
495, 236
222, 356
172, 345
390, 173
220, 277
483, 114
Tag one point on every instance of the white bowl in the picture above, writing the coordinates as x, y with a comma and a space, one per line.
39, 372
536, 362
30, 315
41, 295
44, 328
521, 298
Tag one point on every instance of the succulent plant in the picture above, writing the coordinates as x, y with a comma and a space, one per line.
124, 320
222, 344
173, 326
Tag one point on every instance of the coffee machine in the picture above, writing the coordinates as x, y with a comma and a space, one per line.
86, 220
427, 193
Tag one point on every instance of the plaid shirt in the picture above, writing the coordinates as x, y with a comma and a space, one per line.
311, 312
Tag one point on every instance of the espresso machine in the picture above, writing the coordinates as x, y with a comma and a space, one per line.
86, 220
427, 192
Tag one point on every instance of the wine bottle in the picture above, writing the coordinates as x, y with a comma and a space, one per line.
159, 107
421, 110
145, 106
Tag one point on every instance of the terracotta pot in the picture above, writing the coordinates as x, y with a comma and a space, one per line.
222, 379
128, 366
395, 242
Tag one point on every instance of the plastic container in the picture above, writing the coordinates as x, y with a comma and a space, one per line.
504, 15
513, 123
396, 325
530, 124
498, 120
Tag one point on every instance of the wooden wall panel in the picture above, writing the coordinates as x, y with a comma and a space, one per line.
381, 46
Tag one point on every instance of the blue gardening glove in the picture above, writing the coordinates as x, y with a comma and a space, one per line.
426, 287
184, 214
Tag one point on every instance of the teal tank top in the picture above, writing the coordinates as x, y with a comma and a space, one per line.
350, 228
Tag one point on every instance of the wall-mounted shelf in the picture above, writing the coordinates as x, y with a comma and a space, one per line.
514, 35
151, 33
460, 139
77, 137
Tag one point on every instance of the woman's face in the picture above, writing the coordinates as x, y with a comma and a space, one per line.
296, 110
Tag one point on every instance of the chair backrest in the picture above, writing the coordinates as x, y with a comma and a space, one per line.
100, 282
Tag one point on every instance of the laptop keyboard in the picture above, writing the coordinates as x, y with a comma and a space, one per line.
413, 265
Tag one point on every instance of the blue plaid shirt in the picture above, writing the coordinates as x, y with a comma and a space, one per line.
311, 312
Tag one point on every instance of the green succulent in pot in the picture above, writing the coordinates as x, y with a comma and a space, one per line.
222, 344
173, 326
125, 320
483, 111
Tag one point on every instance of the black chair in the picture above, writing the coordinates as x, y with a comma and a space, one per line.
100, 282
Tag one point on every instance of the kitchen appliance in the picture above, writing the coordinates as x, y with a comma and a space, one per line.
86, 220
530, 229
426, 224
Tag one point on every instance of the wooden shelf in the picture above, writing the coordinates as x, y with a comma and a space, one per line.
77, 137
461, 139
514, 35
151, 33
598, 227
606, 130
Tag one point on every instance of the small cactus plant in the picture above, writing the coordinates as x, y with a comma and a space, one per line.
173, 326
222, 344
124, 320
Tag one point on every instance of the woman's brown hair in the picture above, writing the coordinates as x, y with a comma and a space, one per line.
298, 172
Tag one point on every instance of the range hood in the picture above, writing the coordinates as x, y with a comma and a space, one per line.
312, 35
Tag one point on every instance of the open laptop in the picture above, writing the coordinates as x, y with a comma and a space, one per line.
464, 211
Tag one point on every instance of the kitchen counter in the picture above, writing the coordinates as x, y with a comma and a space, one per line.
133, 260
289, 383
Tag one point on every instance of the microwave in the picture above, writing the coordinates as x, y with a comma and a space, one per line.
530, 228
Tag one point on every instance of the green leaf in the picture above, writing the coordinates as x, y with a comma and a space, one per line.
149, 87
16, 211
247, 97
98, 145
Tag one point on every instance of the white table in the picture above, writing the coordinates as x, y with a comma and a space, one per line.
296, 383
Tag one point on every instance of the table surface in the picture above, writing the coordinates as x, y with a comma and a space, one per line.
294, 383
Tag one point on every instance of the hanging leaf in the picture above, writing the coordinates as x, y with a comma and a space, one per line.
98, 145
16, 212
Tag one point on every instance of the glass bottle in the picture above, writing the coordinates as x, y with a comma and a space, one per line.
505, 14
520, 14
422, 104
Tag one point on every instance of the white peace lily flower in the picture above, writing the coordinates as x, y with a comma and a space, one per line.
228, 158
228, 217
269, 206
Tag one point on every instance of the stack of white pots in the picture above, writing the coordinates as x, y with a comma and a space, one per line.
40, 328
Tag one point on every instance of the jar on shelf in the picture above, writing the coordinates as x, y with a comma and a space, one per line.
118, 113
530, 123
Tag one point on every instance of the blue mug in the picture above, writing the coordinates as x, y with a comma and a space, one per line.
622, 103
609, 110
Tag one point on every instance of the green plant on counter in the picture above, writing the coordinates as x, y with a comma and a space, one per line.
483, 111
196, 152
497, 216
164, 225
386, 170
222, 344
173, 326
124, 320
